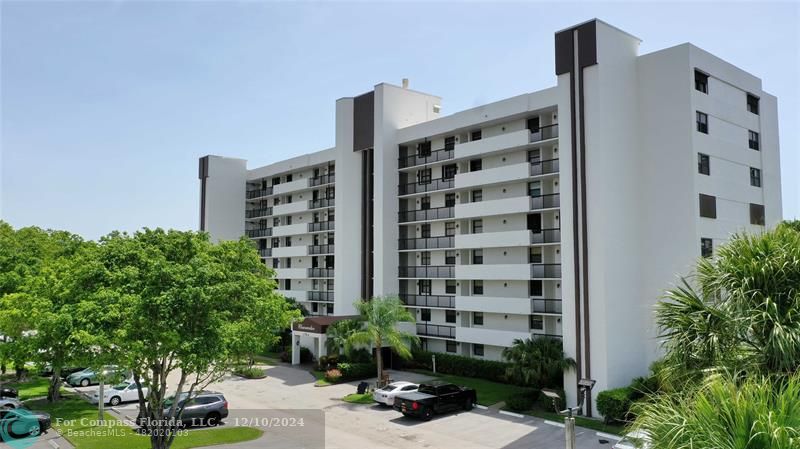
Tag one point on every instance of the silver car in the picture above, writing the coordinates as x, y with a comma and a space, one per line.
9, 403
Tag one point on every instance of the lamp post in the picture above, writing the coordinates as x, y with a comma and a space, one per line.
585, 386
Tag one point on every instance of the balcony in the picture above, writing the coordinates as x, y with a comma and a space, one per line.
545, 236
290, 208
320, 296
437, 213
548, 201
298, 295
320, 249
290, 251
256, 233
320, 272
503, 239
265, 252
505, 142
427, 271
545, 270
544, 167
505, 206
435, 156
258, 193
321, 226
322, 202
291, 186
494, 176
441, 301
322, 180
521, 306
290, 273
435, 330
441, 242
426, 186
544, 133
501, 272
294, 229
540, 305
256, 213
489, 336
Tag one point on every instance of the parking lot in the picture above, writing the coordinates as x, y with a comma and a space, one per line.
370, 426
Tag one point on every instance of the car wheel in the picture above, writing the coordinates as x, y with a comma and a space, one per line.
427, 414
115, 401
8, 407
212, 419
84, 382
468, 404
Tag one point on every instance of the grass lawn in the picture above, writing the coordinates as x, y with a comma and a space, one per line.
34, 387
489, 393
320, 376
356, 398
581, 421
74, 417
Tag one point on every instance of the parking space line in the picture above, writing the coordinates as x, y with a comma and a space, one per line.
609, 436
482, 407
553, 423
516, 415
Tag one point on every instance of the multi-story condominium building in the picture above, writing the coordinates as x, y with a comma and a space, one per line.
564, 212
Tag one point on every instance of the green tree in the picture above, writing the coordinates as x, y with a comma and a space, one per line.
171, 302
338, 336
537, 361
380, 317
740, 312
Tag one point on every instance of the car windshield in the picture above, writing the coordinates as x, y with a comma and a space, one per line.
170, 400
388, 388
427, 389
120, 386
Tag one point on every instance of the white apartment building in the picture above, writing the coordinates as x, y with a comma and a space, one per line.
563, 212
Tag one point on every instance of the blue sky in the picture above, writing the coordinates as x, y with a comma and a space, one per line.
106, 106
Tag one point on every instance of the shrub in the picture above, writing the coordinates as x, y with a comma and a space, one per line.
523, 402
333, 375
359, 355
615, 404
249, 372
462, 366
356, 371
644, 386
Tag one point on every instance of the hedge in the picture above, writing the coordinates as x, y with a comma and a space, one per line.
524, 401
356, 371
615, 404
545, 403
462, 366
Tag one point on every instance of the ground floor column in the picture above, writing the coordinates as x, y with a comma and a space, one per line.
295, 349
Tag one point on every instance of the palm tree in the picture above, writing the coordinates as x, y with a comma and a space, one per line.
380, 316
537, 361
338, 336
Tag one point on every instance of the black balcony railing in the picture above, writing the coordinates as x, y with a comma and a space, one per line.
544, 133
539, 305
434, 156
409, 299
320, 249
426, 186
545, 201
436, 213
321, 226
320, 272
544, 167
435, 330
259, 193
545, 270
265, 252
546, 236
556, 336
320, 296
444, 241
263, 232
427, 271
322, 202
255, 213
322, 179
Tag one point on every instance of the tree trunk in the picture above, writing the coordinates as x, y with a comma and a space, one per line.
379, 359
54, 388
20, 372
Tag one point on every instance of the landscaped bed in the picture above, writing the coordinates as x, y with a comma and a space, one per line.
33, 387
356, 398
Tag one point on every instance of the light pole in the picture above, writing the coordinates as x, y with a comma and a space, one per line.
585, 386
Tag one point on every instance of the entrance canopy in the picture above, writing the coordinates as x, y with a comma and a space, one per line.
312, 331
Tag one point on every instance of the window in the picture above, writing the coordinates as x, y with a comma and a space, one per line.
702, 122
706, 247
475, 135
449, 171
708, 206
703, 164
449, 142
276, 180
424, 287
757, 214
424, 149
536, 288
276, 242
535, 256
425, 314
477, 226
288, 219
425, 258
476, 165
752, 104
755, 177
425, 230
276, 221
477, 196
289, 281
449, 199
449, 316
535, 188
533, 124
537, 322
450, 228
288, 265
425, 203
276, 263
330, 193
700, 81
477, 349
287, 241
424, 176
477, 318
477, 287
450, 287
449, 257
477, 256
535, 156
288, 199
288, 178
450, 346
753, 141
329, 309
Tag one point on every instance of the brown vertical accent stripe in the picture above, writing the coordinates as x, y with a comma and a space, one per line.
364, 121
203, 175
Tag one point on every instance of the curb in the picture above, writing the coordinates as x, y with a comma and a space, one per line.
553, 423
482, 407
609, 436
516, 415
53, 444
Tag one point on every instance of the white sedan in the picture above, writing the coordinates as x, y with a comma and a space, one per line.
386, 394
124, 392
